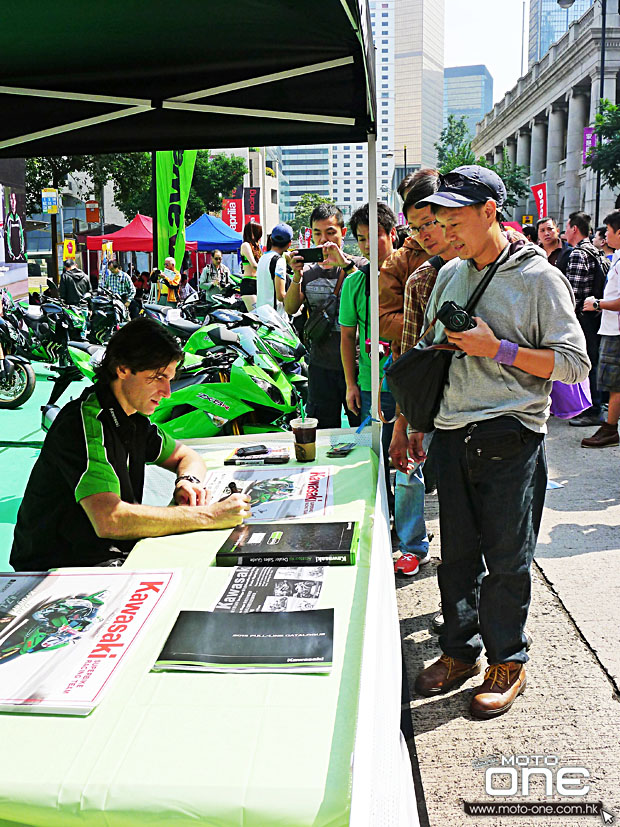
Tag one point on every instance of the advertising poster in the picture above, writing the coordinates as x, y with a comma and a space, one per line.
232, 210
251, 205
174, 174
14, 236
540, 197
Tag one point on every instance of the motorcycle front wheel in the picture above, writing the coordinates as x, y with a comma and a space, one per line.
19, 387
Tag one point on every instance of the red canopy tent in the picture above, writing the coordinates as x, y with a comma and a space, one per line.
136, 237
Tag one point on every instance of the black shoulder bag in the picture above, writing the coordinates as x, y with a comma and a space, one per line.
418, 377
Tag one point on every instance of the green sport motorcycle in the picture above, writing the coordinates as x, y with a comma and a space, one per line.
234, 387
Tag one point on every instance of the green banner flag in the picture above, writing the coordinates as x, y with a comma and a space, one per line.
174, 172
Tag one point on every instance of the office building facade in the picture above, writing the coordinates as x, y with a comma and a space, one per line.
307, 169
540, 123
468, 92
548, 22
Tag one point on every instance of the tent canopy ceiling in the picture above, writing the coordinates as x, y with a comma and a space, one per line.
211, 233
184, 75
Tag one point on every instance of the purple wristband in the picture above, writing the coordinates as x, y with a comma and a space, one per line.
507, 353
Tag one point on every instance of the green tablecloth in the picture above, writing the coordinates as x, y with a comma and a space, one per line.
217, 749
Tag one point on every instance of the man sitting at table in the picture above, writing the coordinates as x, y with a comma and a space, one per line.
82, 504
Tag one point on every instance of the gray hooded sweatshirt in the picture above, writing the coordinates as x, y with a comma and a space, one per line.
528, 302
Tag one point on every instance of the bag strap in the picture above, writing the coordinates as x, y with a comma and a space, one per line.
272, 269
477, 294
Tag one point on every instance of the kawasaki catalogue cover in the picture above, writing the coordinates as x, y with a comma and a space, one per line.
263, 642
64, 635
290, 544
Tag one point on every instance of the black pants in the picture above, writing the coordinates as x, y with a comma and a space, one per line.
590, 323
491, 482
327, 393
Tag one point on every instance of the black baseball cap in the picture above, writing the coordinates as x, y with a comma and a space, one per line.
465, 186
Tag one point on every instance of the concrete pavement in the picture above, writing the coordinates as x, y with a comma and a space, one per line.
570, 712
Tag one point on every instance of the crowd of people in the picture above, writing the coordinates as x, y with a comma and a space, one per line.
546, 315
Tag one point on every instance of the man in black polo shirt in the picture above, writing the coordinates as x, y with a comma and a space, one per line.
82, 504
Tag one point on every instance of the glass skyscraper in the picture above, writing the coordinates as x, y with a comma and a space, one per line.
468, 91
548, 22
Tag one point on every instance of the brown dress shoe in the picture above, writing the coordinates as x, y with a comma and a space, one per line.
442, 675
503, 683
605, 437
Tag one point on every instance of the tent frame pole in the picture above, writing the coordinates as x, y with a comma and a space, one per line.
373, 234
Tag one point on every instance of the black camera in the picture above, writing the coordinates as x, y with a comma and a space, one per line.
455, 318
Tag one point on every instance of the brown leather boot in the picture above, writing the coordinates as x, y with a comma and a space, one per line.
605, 437
442, 675
503, 683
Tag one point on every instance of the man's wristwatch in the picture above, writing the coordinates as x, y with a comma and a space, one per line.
350, 265
189, 478
596, 304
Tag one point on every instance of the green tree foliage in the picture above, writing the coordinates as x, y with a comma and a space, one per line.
454, 145
50, 172
215, 178
304, 207
606, 155
454, 150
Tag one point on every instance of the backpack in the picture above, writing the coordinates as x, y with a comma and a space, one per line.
601, 268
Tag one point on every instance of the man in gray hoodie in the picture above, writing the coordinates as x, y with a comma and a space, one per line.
488, 441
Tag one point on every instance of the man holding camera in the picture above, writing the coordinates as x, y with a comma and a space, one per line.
488, 446
319, 285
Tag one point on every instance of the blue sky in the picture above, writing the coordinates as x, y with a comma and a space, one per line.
488, 32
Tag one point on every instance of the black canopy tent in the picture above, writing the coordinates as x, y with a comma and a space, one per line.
123, 76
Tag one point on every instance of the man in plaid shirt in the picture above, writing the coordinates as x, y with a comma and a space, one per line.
580, 267
119, 282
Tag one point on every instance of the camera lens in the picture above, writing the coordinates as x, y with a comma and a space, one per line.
459, 321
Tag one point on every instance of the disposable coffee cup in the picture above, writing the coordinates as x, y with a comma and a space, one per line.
304, 431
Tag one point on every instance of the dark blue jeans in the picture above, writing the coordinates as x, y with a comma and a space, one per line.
491, 483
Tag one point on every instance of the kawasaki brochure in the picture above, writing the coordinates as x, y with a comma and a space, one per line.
64, 635
268, 589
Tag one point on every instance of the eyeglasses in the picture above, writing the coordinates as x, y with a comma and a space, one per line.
427, 226
457, 181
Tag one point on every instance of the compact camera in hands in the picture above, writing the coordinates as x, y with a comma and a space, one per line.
455, 318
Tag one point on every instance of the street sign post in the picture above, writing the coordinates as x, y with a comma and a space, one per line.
49, 200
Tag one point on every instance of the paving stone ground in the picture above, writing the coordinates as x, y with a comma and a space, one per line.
571, 708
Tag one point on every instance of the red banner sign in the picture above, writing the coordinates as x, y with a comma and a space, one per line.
540, 197
232, 210
251, 204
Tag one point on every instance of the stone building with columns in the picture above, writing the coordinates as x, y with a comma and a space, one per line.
541, 121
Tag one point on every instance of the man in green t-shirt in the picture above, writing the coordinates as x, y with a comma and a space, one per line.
354, 318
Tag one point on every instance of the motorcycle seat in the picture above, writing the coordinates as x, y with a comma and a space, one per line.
183, 328
86, 347
33, 313
156, 308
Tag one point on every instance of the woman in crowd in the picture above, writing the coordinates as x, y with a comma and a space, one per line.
250, 254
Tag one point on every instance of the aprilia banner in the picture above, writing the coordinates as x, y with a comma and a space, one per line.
232, 210
540, 197
251, 204
174, 171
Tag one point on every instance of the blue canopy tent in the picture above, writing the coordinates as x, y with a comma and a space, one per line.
212, 233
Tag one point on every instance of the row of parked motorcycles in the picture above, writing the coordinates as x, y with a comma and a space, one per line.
42, 332
242, 372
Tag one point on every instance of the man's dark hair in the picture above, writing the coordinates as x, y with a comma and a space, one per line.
612, 220
115, 264
326, 210
404, 185
142, 344
385, 218
582, 221
544, 220
423, 183
68, 262
530, 231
